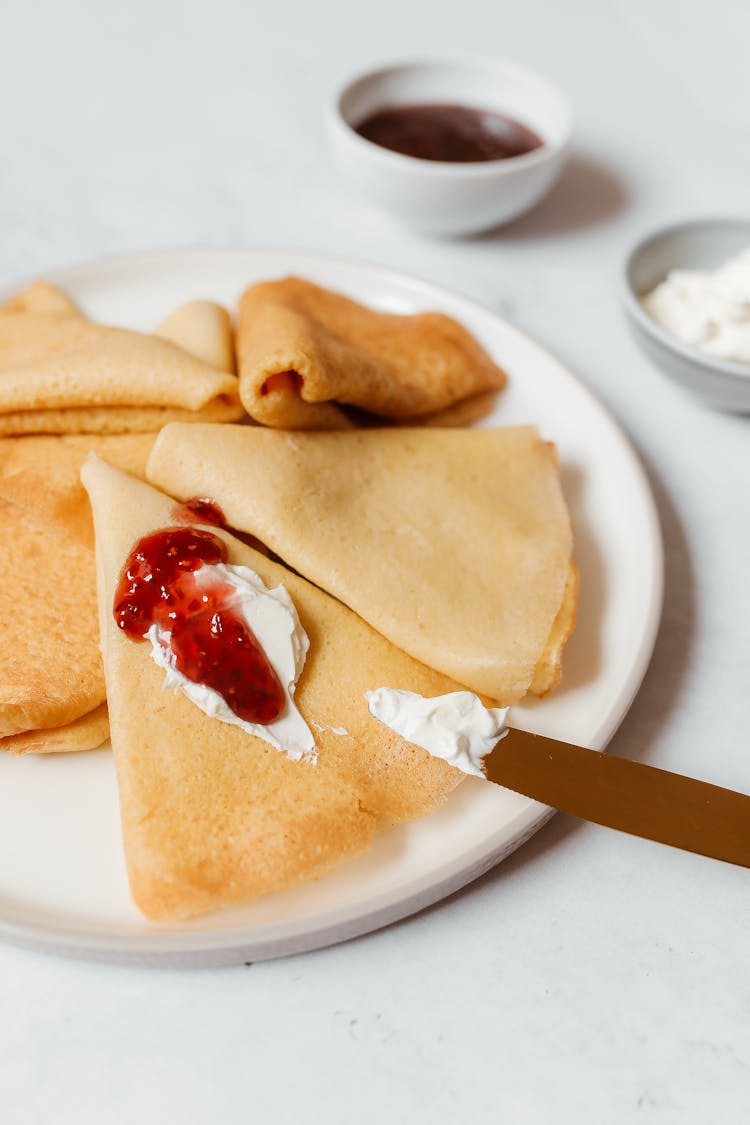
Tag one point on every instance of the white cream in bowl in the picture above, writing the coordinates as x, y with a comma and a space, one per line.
708, 309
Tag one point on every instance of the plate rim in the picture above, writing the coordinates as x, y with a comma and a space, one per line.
171, 948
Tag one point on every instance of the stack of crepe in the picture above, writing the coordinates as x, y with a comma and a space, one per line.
61, 373
418, 557
52, 693
308, 358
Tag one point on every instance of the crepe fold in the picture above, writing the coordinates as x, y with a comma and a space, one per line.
305, 352
204, 329
85, 733
454, 544
61, 373
212, 815
52, 694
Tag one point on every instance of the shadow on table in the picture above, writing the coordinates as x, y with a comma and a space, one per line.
587, 193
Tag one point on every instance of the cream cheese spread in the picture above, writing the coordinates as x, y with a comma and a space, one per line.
272, 617
707, 309
456, 727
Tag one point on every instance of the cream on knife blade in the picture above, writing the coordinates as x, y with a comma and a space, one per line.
641, 800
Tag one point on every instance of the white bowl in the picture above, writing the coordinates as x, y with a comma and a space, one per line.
448, 198
695, 244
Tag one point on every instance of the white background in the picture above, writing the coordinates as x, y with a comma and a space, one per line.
592, 977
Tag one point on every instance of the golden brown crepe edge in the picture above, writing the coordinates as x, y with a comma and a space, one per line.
87, 732
548, 670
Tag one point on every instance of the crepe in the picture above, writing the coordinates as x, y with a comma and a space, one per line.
204, 329
304, 352
51, 679
86, 733
454, 544
50, 669
41, 475
61, 373
463, 413
41, 297
43, 708
212, 815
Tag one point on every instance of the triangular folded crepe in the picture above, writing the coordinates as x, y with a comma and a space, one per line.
51, 677
61, 373
212, 815
304, 351
454, 544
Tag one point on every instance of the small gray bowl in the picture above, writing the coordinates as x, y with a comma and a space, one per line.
698, 244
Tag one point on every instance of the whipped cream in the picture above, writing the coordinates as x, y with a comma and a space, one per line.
272, 616
456, 727
707, 309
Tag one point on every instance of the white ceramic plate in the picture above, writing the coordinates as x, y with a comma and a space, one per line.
62, 875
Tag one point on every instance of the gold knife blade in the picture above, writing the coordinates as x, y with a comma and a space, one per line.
629, 796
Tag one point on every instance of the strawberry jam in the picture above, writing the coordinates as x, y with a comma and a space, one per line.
209, 640
199, 510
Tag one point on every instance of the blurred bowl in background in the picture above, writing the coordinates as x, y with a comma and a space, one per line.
445, 198
695, 244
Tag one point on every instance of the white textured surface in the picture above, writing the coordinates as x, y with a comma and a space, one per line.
591, 977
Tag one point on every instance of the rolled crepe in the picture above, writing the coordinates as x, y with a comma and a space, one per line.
212, 815
454, 544
304, 352
51, 679
61, 373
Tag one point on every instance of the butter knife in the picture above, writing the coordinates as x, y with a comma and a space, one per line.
629, 796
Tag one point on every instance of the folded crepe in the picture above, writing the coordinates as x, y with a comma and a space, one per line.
454, 544
305, 352
212, 815
61, 373
86, 733
52, 694
204, 329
